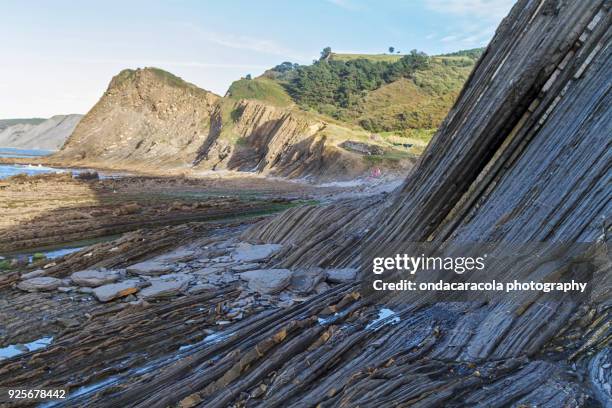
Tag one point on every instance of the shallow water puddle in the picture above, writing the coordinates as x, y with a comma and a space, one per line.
16, 349
210, 339
383, 319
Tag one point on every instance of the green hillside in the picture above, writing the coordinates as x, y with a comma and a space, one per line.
403, 97
263, 89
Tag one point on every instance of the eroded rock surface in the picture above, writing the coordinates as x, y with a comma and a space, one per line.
113, 291
151, 268
253, 253
93, 278
267, 281
42, 283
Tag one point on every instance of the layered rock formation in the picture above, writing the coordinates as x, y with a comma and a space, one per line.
49, 134
524, 156
146, 119
150, 120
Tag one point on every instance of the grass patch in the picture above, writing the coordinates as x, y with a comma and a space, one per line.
261, 89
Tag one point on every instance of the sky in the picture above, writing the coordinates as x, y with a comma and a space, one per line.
57, 57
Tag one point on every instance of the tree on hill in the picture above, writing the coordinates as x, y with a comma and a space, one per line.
248, 76
326, 53
391, 49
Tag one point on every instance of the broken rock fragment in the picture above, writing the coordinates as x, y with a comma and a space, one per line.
112, 291
152, 268
267, 281
93, 278
165, 286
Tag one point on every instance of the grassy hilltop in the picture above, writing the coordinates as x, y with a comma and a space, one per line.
403, 98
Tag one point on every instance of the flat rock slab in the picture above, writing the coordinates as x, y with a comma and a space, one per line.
178, 255
106, 293
267, 281
151, 268
40, 284
342, 275
305, 280
254, 253
162, 288
93, 278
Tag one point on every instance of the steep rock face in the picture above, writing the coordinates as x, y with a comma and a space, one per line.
524, 156
262, 138
49, 134
150, 120
147, 118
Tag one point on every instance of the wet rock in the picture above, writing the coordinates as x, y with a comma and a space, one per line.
43, 283
305, 280
267, 281
93, 278
33, 274
249, 253
342, 275
112, 291
151, 268
86, 290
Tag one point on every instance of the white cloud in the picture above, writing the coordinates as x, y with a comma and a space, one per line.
242, 42
488, 9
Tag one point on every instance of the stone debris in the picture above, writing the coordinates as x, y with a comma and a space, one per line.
245, 267
252, 253
267, 281
150, 268
165, 286
40, 284
112, 291
93, 278
207, 271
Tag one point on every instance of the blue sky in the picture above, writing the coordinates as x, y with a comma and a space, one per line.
58, 57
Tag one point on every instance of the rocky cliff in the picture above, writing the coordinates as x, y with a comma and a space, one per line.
49, 134
146, 119
150, 120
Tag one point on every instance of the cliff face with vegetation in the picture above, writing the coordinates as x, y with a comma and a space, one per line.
150, 120
406, 95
